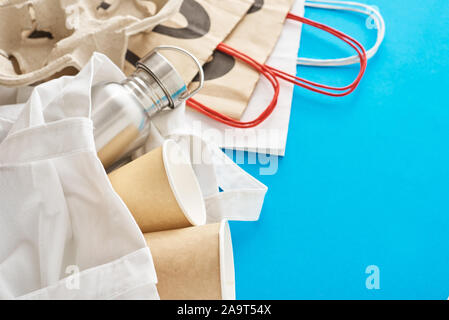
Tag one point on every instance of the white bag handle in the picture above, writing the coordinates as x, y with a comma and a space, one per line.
347, 6
242, 196
229, 191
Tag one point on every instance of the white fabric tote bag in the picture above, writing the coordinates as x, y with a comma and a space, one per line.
64, 232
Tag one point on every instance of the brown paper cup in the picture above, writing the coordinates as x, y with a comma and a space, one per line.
194, 263
161, 190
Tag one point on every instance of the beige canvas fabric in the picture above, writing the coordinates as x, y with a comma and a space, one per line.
199, 27
43, 37
230, 83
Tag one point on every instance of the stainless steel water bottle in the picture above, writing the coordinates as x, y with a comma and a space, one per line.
122, 111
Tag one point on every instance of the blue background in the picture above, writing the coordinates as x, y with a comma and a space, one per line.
365, 179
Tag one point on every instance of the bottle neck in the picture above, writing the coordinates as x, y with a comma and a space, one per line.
150, 95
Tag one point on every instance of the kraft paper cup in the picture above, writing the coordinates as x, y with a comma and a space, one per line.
195, 263
161, 190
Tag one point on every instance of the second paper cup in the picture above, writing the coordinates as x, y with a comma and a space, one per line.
195, 263
161, 190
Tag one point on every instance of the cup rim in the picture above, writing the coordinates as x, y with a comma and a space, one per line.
227, 272
194, 211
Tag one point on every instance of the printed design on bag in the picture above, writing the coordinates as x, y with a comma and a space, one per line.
222, 63
198, 22
103, 5
198, 25
258, 4
38, 34
131, 57
219, 65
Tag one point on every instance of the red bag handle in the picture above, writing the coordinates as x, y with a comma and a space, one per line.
272, 74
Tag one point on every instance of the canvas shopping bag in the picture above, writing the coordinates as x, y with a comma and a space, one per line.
199, 27
44, 39
230, 82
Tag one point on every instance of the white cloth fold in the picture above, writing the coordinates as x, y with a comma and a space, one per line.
65, 233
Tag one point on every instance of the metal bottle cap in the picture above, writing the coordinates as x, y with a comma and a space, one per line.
167, 78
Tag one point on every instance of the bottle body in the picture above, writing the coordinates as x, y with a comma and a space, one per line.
121, 112
119, 121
